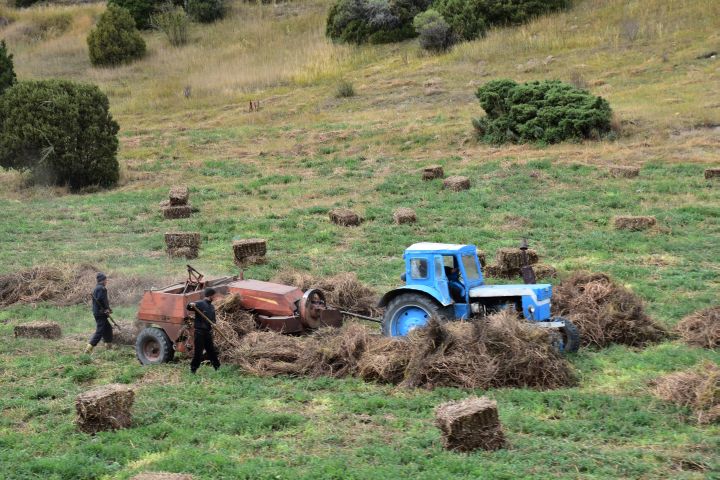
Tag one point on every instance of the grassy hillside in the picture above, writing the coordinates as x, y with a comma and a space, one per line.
275, 173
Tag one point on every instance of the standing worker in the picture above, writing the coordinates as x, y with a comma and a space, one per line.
101, 309
204, 320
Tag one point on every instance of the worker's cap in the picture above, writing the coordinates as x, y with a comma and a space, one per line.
100, 277
209, 292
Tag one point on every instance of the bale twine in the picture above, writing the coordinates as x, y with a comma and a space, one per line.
404, 215
344, 217
456, 183
622, 171
712, 173
432, 172
634, 223
249, 251
701, 329
470, 424
177, 211
105, 408
179, 195
38, 330
162, 476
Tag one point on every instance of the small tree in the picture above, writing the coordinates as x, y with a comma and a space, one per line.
434, 32
174, 23
206, 11
61, 131
140, 10
465, 17
115, 39
7, 72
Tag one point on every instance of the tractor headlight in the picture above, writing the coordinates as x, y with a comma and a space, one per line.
531, 309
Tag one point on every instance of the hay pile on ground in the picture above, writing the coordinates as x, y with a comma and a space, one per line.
104, 408
456, 183
622, 171
701, 329
698, 389
432, 172
126, 334
344, 217
49, 330
249, 251
178, 205
634, 224
182, 244
233, 322
162, 476
404, 215
604, 311
470, 424
712, 173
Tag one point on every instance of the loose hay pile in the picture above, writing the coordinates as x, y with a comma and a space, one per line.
233, 322
249, 251
344, 217
470, 424
404, 215
49, 330
126, 334
698, 389
456, 183
105, 408
701, 329
604, 311
432, 172
634, 224
182, 244
621, 171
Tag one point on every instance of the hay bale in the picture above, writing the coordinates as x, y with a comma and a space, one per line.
544, 271
188, 253
177, 211
432, 172
712, 173
622, 171
164, 203
404, 215
481, 256
456, 183
698, 389
179, 195
470, 424
701, 329
49, 330
162, 476
182, 239
512, 258
634, 223
344, 217
104, 408
249, 251
604, 311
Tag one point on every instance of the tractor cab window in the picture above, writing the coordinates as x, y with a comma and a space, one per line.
418, 268
452, 272
439, 268
470, 264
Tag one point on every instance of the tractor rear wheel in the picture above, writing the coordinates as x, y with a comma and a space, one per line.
408, 311
153, 347
570, 337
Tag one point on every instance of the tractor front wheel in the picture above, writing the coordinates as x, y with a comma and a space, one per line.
407, 312
153, 347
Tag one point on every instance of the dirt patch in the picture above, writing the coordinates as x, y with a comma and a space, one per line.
698, 389
470, 424
634, 224
105, 408
604, 311
701, 329
344, 217
50, 330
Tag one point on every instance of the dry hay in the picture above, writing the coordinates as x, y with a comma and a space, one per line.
249, 251
432, 172
544, 271
701, 329
634, 224
233, 322
509, 263
49, 330
698, 389
162, 476
164, 203
182, 239
104, 408
470, 424
343, 291
622, 171
176, 211
344, 217
604, 311
712, 173
404, 215
268, 353
127, 333
456, 183
179, 195
188, 253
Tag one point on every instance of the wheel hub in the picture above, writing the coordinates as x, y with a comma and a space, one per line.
409, 318
151, 350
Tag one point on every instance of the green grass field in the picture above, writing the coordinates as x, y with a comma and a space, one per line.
276, 173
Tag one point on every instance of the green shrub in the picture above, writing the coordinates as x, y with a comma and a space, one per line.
174, 23
61, 131
434, 32
345, 89
25, 3
373, 21
115, 39
140, 10
206, 11
549, 111
7, 71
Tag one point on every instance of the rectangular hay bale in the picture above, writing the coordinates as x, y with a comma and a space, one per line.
456, 183
188, 253
182, 239
622, 171
432, 172
511, 258
249, 247
177, 211
404, 215
712, 173
344, 217
470, 424
49, 330
105, 408
634, 223
179, 195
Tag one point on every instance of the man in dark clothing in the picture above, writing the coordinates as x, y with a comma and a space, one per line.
203, 330
101, 309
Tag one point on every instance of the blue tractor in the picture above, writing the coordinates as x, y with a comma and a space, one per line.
446, 281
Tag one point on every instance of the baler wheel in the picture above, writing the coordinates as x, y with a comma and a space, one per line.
570, 337
153, 347
408, 311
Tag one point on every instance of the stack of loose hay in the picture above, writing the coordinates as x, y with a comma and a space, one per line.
182, 244
404, 215
432, 172
470, 424
344, 217
634, 224
233, 322
698, 389
712, 173
456, 183
105, 408
178, 205
509, 263
604, 311
701, 329
49, 330
621, 171
249, 251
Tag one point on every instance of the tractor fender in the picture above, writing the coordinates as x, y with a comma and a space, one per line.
433, 293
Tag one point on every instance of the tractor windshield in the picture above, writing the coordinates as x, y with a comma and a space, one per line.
470, 264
